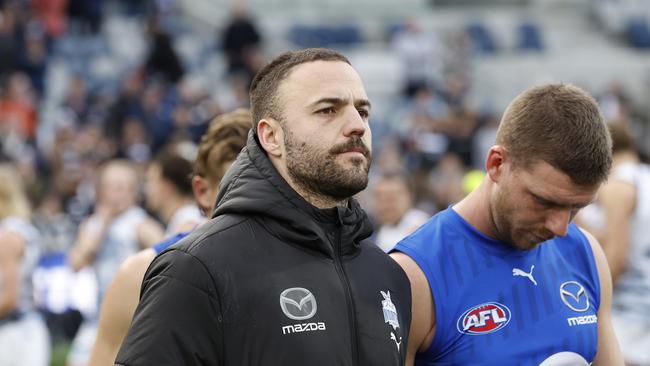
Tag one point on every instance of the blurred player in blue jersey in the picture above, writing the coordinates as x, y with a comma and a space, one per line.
504, 277
219, 147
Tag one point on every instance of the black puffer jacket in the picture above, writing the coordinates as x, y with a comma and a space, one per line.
271, 280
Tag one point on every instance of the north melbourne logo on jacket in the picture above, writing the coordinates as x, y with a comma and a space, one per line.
390, 317
298, 303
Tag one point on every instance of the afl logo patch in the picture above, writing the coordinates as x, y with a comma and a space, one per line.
483, 319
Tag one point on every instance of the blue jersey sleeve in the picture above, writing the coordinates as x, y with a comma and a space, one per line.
170, 241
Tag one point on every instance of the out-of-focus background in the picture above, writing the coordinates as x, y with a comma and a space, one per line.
86, 81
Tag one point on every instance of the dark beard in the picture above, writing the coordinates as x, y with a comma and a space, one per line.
318, 172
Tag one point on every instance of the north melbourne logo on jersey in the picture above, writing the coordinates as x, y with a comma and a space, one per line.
484, 318
390, 317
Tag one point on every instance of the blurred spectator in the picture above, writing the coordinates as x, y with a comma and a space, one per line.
455, 89
87, 14
460, 127
117, 229
446, 181
421, 125
34, 58
18, 108
615, 103
127, 104
395, 214
238, 93
619, 219
241, 42
168, 190
163, 61
52, 13
76, 99
134, 143
10, 45
458, 53
421, 53
156, 113
193, 109
23, 335
424, 111
483, 139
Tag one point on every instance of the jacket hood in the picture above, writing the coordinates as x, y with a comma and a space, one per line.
253, 187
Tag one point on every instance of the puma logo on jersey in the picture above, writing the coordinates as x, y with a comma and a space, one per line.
518, 272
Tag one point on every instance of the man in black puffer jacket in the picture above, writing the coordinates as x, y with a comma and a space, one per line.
282, 275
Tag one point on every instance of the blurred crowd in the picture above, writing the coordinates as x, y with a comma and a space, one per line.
427, 148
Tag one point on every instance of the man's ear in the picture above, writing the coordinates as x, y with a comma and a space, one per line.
201, 189
496, 162
270, 134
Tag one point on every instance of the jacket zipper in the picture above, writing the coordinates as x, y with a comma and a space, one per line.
348, 292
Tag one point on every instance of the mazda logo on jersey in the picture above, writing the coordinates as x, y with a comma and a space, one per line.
484, 318
298, 303
574, 296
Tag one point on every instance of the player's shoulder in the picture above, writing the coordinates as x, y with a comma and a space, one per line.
131, 272
596, 249
138, 261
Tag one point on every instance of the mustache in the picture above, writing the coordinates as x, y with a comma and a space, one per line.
544, 234
354, 143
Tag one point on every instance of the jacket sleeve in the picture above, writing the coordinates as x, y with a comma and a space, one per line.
177, 321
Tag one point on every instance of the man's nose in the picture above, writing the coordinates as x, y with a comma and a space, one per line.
558, 222
354, 123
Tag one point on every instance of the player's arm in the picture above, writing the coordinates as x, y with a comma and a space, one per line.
10, 255
422, 311
618, 201
177, 321
89, 238
150, 233
119, 304
608, 353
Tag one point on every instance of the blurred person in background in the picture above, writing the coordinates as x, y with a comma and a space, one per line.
24, 339
163, 60
241, 42
87, 15
18, 108
445, 181
286, 250
117, 228
619, 219
225, 138
504, 272
420, 52
168, 191
394, 209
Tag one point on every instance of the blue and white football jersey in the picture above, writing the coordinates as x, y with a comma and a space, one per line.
496, 305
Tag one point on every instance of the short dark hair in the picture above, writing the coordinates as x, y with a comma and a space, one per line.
561, 125
221, 143
175, 169
264, 88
